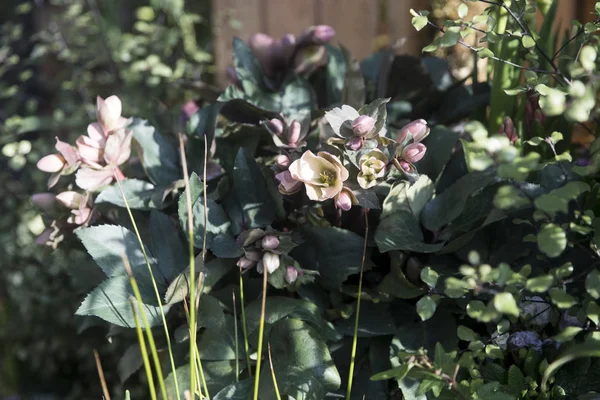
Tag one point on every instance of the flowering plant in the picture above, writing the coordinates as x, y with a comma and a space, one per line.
328, 221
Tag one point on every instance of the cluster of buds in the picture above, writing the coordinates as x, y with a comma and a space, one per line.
262, 250
302, 54
98, 155
323, 175
361, 129
410, 149
95, 160
290, 136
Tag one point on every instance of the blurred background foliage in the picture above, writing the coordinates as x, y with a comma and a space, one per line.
56, 56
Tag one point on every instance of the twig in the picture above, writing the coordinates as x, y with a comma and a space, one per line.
101, 376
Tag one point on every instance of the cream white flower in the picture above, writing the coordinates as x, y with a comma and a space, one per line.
323, 174
372, 167
109, 116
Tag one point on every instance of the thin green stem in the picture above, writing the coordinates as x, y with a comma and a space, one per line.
355, 337
261, 332
147, 328
277, 394
155, 287
192, 319
144, 352
237, 345
244, 327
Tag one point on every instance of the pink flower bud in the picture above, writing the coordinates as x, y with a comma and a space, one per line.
188, 109
271, 262
270, 242
413, 152
354, 143
293, 133
44, 201
282, 161
418, 129
70, 199
51, 163
405, 166
344, 199
507, 128
261, 45
232, 75
253, 255
319, 34
245, 263
288, 44
362, 125
291, 274
287, 184
275, 126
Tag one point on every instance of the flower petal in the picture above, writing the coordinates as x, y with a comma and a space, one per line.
67, 151
70, 199
93, 179
51, 163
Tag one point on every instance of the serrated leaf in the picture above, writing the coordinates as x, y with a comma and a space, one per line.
159, 157
112, 301
250, 188
140, 195
301, 360
108, 244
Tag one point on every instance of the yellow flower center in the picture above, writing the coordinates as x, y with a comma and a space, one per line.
327, 178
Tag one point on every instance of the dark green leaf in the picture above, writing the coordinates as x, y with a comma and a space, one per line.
159, 157
140, 195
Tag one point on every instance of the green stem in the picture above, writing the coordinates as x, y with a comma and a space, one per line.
244, 327
356, 320
144, 352
261, 332
156, 292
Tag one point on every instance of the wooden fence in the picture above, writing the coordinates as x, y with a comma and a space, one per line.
360, 24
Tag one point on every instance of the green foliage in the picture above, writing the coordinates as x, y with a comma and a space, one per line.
462, 260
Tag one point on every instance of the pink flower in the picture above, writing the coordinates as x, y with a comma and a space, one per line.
93, 179
118, 148
323, 174
417, 129
64, 163
287, 184
345, 199
108, 113
291, 274
414, 152
362, 125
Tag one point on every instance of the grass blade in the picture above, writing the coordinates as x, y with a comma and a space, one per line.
261, 332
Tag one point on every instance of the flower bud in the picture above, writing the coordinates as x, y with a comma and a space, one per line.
414, 152
293, 132
355, 143
44, 201
271, 262
362, 125
70, 199
418, 130
282, 161
245, 263
508, 129
275, 126
232, 75
261, 46
319, 34
270, 242
345, 199
405, 166
291, 274
287, 184
188, 109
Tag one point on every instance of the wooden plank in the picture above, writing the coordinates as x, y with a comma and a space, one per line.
400, 26
288, 16
354, 21
232, 18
